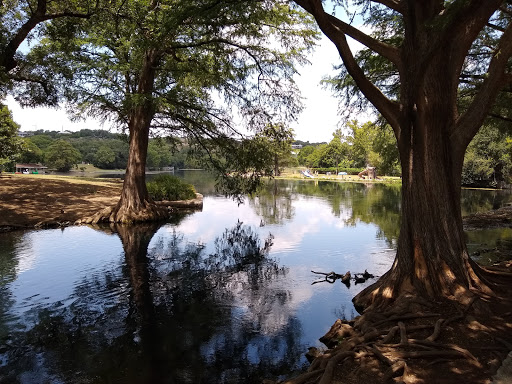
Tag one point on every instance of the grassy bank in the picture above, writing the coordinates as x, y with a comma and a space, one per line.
295, 174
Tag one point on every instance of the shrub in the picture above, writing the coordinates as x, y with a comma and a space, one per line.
167, 187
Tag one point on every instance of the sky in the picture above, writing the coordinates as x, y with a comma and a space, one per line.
316, 123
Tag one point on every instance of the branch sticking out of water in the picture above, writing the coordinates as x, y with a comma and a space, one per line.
331, 277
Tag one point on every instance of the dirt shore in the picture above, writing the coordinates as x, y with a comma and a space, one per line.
26, 200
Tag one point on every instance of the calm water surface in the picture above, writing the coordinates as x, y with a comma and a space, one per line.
219, 296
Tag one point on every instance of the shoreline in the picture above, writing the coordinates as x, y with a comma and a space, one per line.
57, 201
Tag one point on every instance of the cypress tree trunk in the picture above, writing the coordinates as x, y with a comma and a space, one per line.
432, 259
135, 204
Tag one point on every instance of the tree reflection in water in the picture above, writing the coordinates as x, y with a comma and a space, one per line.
170, 314
274, 202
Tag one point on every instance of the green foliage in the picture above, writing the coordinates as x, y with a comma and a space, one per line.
62, 156
43, 140
375, 145
159, 154
22, 23
488, 158
104, 157
366, 144
167, 187
304, 153
277, 139
335, 152
95, 146
11, 146
32, 153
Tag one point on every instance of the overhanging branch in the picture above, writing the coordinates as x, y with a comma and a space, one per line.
392, 4
386, 107
38, 16
388, 51
470, 122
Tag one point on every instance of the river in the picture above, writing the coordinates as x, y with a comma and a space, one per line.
225, 295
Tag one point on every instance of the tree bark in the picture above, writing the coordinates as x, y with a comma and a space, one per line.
135, 204
432, 259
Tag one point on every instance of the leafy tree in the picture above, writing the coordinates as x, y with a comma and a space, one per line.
11, 145
32, 153
487, 160
42, 141
336, 151
278, 140
159, 64
159, 154
62, 156
304, 153
104, 157
371, 144
153, 157
423, 59
315, 159
20, 22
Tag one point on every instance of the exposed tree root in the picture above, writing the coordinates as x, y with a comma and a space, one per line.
408, 345
119, 214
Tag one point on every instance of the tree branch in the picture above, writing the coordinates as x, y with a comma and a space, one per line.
470, 122
42, 83
388, 51
7, 60
386, 107
500, 117
495, 27
219, 41
466, 20
393, 4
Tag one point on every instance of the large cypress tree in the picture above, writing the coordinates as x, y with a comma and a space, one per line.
424, 58
183, 67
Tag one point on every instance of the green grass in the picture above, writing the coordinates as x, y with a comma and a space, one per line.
167, 187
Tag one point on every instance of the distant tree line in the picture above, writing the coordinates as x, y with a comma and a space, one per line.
353, 148
487, 163
103, 149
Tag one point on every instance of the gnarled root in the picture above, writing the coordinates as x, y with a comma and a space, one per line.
403, 346
148, 211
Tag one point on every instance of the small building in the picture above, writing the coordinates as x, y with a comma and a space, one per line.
30, 168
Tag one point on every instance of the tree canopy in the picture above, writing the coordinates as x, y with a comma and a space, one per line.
11, 145
22, 22
62, 156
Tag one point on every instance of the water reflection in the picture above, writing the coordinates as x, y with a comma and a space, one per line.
274, 202
218, 296
353, 203
164, 315
478, 200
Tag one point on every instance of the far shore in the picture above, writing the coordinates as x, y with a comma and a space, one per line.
47, 200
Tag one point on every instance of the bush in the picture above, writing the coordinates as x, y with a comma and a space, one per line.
167, 187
